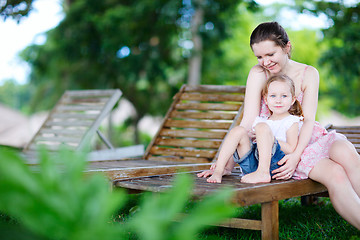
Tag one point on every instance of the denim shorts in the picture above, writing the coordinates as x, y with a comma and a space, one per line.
250, 161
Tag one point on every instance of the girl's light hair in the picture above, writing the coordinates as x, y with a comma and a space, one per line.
295, 109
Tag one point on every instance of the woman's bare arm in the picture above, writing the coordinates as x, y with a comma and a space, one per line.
255, 82
309, 105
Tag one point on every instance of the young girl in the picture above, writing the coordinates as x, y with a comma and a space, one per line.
276, 135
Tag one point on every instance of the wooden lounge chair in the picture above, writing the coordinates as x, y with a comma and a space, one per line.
73, 121
266, 194
189, 136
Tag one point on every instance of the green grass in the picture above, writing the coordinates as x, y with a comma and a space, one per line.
299, 222
295, 222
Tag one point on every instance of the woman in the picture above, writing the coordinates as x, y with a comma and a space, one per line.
324, 157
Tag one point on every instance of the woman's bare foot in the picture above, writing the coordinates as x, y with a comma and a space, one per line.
256, 177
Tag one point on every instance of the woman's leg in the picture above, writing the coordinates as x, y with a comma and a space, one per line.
236, 138
265, 142
342, 194
344, 153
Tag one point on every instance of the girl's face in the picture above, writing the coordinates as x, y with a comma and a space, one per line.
279, 98
270, 56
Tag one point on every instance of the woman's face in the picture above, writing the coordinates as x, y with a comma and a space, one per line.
270, 56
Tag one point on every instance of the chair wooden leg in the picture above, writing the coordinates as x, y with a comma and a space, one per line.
270, 220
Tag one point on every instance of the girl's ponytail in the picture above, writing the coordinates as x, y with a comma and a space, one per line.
296, 109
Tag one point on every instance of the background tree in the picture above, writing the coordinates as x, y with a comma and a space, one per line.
342, 57
15, 9
15, 95
131, 45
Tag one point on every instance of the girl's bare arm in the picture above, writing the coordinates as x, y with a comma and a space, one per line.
292, 136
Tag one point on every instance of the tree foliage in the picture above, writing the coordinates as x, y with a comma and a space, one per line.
342, 57
132, 45
15, 9
15, 95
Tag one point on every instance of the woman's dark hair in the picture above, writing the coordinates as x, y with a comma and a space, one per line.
296, 108
272, 31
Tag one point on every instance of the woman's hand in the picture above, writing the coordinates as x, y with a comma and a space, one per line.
289, 162
206, 173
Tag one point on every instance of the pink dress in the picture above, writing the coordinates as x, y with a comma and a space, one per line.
318, 147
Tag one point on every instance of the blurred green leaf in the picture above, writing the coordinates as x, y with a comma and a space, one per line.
158, 218
57, 200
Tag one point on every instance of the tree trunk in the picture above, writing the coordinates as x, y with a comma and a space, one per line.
194, 77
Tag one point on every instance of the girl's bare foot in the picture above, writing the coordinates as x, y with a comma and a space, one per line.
256, 177
210, 172
215, 178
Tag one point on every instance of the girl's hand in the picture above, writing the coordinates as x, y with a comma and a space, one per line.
286, 171
251, 134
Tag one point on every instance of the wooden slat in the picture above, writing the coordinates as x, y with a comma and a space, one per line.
346, 131
188, 143
62, 132
241, 223
212, 97
79, 107
178, 159
192, 133
219, 115
73, 116
87, 93
208, 106
34, 147
214, 88
117, 173
354, 140
344, 127
197, 124
182, 152
276, 190
59, 139
352, 136
94, 100
69, 123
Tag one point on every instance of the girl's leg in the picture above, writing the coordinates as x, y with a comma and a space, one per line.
342, 194
236, 137
265, 142
344, 153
